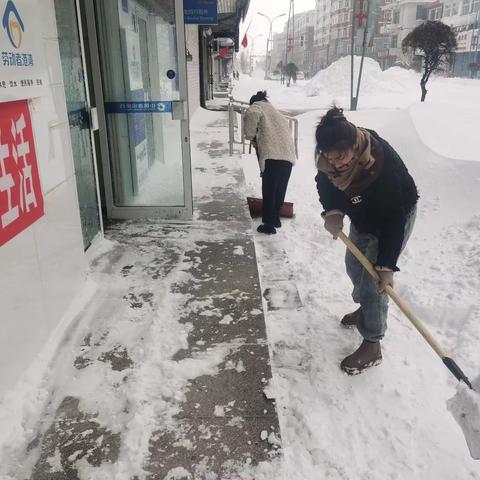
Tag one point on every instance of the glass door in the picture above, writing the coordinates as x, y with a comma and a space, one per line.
78, 108
142, 62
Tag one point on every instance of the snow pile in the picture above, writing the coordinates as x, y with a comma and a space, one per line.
393, 88
443, 128
465, 407
335, 79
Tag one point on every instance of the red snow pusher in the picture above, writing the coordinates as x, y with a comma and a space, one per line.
255, 206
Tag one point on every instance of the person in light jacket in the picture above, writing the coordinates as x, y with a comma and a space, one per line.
360, 175
268, 130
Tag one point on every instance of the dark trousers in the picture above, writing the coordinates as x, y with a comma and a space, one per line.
274, 187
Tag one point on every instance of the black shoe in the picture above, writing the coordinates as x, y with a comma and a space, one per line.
267, 229
278, 224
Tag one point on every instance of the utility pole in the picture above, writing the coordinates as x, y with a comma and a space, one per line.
364, 46
360, 16
353, 100
287, 43
269, 39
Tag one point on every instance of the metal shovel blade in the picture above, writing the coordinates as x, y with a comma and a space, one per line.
465, 408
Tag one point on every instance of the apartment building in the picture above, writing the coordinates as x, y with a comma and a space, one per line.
321, 34
464, 18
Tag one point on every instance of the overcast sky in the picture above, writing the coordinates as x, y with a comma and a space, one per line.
260, 25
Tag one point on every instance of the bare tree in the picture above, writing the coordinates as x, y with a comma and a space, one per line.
435, 43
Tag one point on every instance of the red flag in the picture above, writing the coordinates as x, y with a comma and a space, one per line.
245, 41
223, 52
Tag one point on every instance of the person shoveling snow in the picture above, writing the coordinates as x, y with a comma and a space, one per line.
276, 155
360, 175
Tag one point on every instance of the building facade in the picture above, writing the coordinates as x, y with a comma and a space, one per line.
389, 22
464, 18
298, 48
100, 93
321, 34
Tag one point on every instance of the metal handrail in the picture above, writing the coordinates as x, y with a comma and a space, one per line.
238, 106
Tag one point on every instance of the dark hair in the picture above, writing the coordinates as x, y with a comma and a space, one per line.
335, 131
259, 96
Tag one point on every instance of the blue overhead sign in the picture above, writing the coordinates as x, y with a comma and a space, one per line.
200, 12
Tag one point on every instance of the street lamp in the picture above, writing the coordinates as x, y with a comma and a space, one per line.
269, 39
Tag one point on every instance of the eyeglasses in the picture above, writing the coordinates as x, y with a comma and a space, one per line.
335, 155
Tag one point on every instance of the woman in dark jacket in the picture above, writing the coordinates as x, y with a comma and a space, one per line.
360, 175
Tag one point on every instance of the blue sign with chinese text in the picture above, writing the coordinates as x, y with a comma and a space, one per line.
200, 12
139, 107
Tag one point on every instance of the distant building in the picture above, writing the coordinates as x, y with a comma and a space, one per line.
321, 34
340, 29
404, 16
464, 18
304, 31
299, 46
278, 49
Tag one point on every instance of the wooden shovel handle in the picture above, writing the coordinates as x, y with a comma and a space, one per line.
394, 296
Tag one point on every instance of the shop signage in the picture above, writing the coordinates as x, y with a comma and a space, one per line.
133, 61
464, 41
21, 200
23, 72
139, 107
200, 12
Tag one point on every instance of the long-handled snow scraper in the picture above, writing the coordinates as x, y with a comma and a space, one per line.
465, 409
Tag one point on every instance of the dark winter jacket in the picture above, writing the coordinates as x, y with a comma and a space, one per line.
382, 208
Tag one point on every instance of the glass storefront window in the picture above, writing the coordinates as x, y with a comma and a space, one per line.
142, 98
78, 117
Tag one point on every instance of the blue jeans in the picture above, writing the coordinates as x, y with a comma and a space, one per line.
373, 320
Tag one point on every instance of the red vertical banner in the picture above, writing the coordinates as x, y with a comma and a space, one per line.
21, 200
361, 15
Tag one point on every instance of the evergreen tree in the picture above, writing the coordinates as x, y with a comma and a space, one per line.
435, 43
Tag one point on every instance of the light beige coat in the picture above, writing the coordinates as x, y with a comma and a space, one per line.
270, 129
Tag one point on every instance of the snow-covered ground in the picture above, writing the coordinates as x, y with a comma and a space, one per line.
391, 422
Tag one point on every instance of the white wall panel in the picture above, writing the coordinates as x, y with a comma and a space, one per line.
43, 267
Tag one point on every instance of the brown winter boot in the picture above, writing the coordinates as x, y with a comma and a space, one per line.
350, 320
368, 354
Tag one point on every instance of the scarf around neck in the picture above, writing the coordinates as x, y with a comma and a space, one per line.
360, 172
